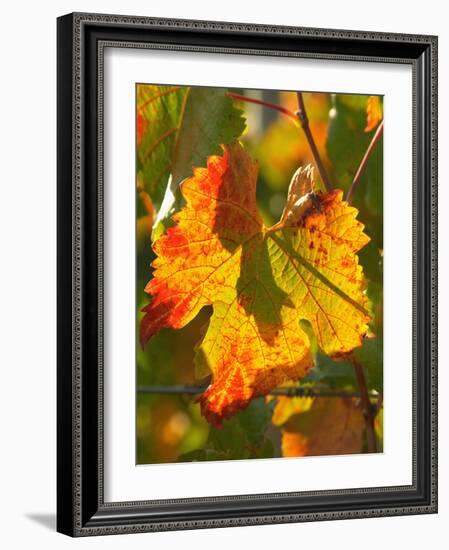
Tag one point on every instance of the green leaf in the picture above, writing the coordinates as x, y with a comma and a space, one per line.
347, 140
256, 418
264, 450
158, 113
334, 374
229, 438
340, 374
373, 184
181, 127
370, 356
243, 436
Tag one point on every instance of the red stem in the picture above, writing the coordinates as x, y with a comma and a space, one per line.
273, 106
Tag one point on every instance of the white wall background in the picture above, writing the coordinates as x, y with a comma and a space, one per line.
28, 267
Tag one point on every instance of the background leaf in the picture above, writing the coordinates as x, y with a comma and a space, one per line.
243, 436
179, 127
332, 426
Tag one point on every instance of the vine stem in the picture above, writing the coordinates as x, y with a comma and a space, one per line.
286, 391
364, 162
368, 411
268, 104
304, 121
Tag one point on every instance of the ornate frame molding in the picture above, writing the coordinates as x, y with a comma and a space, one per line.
81, 509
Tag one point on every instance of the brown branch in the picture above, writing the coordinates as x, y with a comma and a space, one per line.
368, 411
365, 159
268, 104
304, 120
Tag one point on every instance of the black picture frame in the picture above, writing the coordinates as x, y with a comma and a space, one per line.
81, 509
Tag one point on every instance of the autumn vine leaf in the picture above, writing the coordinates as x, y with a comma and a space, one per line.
261, 281
330, 426
287, 406
374, 112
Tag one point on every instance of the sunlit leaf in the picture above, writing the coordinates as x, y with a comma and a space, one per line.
374, 112
260, 281
287, 406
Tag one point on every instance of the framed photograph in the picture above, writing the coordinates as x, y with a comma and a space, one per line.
247, 283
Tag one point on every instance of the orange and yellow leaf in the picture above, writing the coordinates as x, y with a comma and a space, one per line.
332, 426
374, 112
260, 281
